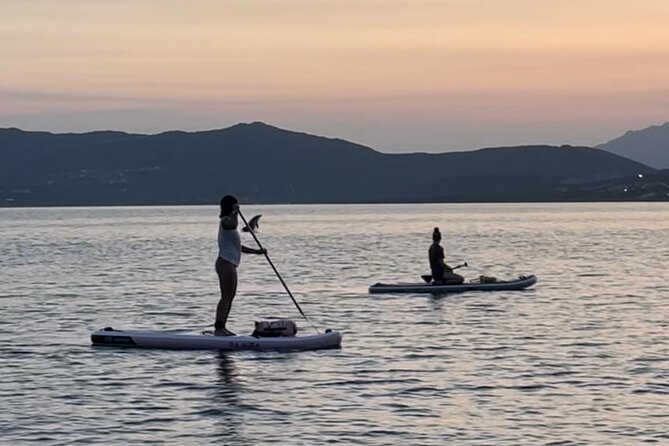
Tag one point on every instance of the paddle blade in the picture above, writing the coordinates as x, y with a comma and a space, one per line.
253, 224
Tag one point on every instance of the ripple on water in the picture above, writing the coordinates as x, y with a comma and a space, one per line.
580, 359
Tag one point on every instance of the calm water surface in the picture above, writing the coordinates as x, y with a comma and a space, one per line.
581, 359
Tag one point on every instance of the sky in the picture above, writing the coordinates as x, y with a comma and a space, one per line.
396, 75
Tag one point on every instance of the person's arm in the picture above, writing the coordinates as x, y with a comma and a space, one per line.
447, 268
247, 250
230, 221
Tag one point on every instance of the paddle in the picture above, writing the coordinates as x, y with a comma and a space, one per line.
276, 272
460, 266
428, 277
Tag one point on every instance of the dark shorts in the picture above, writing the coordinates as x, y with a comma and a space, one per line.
227, 276
224, 265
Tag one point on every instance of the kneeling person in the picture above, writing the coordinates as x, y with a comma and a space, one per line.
441, 272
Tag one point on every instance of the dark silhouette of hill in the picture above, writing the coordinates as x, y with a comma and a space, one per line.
265, 164
649, 146
649, 187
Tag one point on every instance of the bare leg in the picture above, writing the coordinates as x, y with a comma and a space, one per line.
227, 280
451, 278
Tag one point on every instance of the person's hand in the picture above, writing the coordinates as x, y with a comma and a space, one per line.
235, 208
262, 251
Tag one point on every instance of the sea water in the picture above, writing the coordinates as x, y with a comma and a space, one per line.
582, 358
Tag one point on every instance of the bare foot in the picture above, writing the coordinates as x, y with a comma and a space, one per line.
223, 332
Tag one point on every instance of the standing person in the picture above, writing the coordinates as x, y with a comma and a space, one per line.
230, 251
441, 272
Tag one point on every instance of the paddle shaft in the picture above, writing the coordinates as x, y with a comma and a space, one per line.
428, 277
459, 266
276, 271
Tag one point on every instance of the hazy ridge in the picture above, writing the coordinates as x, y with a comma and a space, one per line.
265, 164
649, 146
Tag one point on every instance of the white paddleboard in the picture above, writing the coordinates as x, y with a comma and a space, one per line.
503, 285
197, 341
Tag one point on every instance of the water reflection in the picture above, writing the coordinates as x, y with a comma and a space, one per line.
227, 401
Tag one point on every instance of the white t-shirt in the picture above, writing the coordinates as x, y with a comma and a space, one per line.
229, 245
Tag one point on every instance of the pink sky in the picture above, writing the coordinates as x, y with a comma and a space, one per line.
398, 75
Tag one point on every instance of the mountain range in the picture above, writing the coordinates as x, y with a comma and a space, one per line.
648, 146
264, 164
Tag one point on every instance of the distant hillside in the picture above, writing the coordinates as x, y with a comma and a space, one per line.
641, 187
649, 146
265, 164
